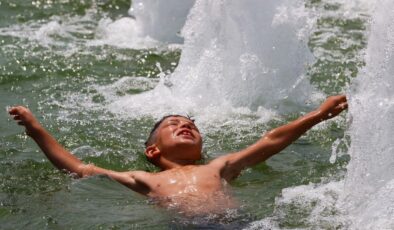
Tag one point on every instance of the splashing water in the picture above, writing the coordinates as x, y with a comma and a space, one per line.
370, 180
242, 63
364, 198
226, 51
158, 21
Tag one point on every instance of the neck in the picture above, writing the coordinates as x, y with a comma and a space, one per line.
166, 164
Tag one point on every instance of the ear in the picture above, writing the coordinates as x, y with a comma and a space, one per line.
152, 152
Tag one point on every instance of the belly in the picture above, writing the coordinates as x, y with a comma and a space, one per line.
192, 191
197, 202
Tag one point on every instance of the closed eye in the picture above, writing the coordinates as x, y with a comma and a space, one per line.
173, 122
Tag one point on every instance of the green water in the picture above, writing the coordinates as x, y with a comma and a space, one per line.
46, 76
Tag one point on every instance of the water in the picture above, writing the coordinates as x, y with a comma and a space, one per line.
224, 53
97, 78
371, 205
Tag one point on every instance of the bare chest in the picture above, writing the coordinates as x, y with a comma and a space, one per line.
191, 190
186, 181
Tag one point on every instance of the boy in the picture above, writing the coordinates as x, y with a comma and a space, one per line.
174, 145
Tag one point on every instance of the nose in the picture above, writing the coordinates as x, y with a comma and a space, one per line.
185, 125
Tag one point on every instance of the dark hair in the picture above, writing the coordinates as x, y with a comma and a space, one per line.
152, 133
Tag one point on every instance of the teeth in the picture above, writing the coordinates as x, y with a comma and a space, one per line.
186, 133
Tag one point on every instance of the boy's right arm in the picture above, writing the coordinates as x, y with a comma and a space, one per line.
278, 139
63, 159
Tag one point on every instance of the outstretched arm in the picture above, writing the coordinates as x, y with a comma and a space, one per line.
278, 139
62, 158
58, 155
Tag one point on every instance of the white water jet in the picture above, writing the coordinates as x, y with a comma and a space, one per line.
369, 186
245, 53
237, 57
151, 24
161, 20
365, 198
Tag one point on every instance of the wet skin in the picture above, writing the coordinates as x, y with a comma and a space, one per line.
191, 190
182, 185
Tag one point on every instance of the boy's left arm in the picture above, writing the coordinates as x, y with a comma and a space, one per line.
277, 139
65, 160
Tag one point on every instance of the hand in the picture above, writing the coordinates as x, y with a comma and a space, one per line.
333, 106
23, 116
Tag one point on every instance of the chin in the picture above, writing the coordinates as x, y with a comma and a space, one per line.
193, 148
187, 142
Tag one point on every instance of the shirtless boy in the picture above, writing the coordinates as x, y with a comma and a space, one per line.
175, 144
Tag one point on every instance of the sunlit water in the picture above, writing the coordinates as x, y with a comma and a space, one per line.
97, 74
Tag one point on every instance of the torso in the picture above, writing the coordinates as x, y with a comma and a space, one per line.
190, 190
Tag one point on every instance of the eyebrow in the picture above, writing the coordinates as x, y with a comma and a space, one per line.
186, 119
177, 119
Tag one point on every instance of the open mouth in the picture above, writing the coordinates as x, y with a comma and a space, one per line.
185, 133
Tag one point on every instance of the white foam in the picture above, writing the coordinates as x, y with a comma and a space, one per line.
74, 33
369, 182
237, 58
313, 205
234, 53
161, 20
125, 85
56, 32
151, 24
123, 33
267, 223
364, 199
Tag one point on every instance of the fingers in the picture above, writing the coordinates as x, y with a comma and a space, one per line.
15, 110
339, 108
337, 103
339, 98
19, 110
21, 115
344, 105
333, 106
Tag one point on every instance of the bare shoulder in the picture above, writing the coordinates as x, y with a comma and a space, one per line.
227, 166
139, 175
138, 181
220, 162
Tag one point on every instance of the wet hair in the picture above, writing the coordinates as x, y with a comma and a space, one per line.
152, 134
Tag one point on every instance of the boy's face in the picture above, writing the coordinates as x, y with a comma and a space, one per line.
179, 138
